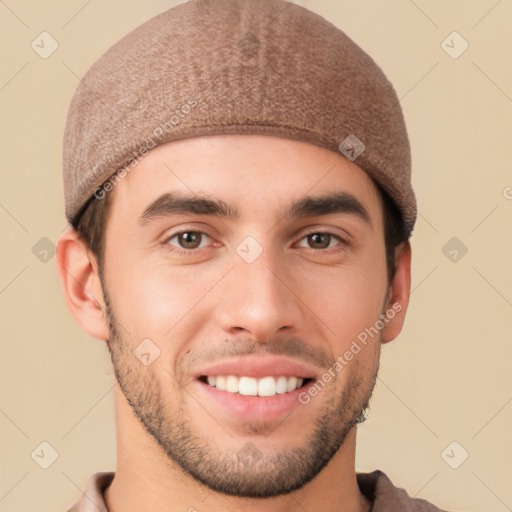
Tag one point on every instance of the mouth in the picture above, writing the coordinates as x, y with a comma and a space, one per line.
251, 386
257, 388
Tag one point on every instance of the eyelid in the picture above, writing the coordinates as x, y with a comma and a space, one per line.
341, 241
340, 233
310, 231
169, 237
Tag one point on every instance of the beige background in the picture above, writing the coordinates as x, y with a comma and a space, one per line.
446, 378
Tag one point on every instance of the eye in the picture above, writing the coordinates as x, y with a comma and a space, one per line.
320, 240
187, 240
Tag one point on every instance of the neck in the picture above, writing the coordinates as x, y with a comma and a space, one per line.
146, 479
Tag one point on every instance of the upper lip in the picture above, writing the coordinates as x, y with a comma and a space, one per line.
258, 366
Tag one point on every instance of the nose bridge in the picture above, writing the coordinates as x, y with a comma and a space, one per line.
256, 296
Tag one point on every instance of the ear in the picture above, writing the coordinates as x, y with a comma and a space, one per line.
78, 276
398, 295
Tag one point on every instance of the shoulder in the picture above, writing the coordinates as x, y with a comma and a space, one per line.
92, 499
386, 497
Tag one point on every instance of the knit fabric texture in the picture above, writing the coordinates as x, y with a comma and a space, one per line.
267, 67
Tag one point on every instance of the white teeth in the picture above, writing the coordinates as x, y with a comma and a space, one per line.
250, 386
231, 384
267, 386
221, 382
292, 384
281, 385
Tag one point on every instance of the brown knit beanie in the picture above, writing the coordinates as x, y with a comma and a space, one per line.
265, 67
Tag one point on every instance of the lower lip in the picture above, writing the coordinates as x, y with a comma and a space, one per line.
255, 408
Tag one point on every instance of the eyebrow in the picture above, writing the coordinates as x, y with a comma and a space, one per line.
309, 206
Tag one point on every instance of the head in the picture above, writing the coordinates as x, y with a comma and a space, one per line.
247, 254
321, 280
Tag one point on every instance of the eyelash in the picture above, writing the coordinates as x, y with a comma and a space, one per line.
182, 251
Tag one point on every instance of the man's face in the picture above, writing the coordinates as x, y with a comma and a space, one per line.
250, 301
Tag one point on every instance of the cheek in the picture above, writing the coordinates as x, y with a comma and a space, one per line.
347, 300
159, 302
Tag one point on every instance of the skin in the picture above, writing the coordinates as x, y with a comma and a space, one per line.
298, 299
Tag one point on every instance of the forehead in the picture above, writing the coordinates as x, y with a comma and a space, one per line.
256, 175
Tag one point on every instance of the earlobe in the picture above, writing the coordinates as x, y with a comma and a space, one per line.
399, 291
78, 276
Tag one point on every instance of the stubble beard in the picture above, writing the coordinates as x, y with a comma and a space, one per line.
229, 471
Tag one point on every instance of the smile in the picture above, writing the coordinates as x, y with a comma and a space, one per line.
251, 386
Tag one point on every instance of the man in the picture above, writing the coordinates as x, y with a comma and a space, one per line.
237, 183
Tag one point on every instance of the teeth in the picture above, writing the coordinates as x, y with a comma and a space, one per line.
292, 384
231, 384
281, 385
267, 386
221, 382
249, 386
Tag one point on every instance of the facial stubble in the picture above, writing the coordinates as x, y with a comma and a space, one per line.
225, 471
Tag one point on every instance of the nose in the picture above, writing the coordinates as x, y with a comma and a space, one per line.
258, 299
